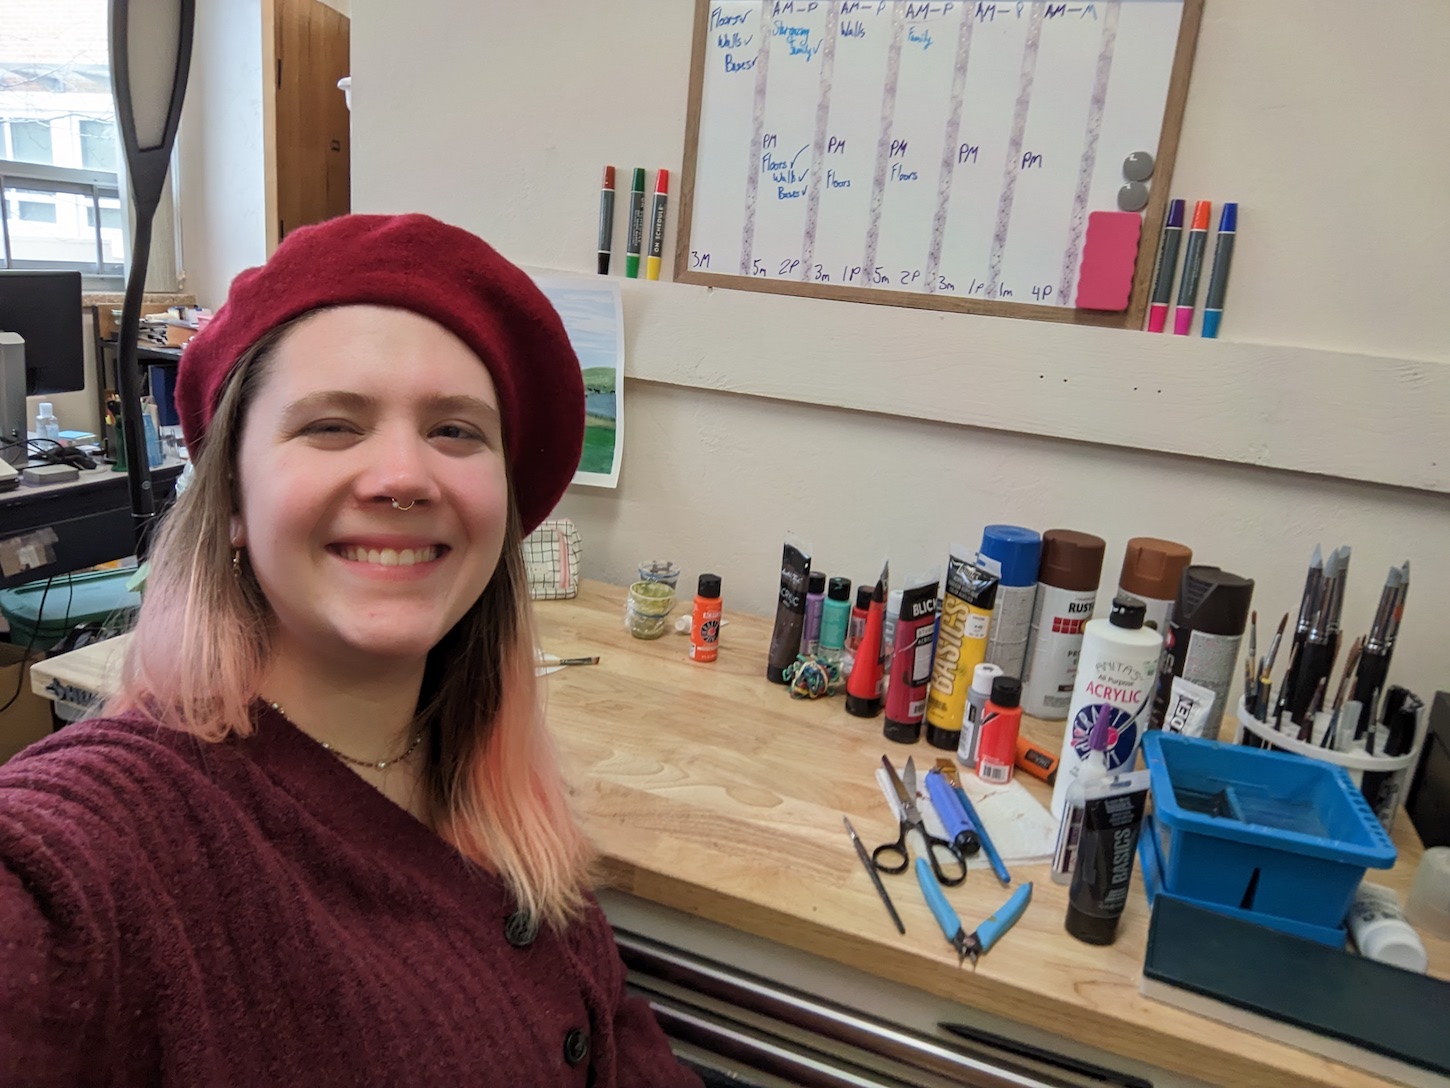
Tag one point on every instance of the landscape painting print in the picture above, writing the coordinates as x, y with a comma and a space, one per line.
594, 318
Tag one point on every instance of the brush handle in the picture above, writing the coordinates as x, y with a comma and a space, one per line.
1369, 684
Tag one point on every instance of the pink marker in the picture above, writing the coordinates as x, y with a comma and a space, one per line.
1166, 267
1192, 268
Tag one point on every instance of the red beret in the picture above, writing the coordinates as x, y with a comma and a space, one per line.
413, 262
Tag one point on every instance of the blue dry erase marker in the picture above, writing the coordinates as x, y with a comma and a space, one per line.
1218, 281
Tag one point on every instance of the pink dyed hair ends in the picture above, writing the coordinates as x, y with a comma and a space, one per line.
200, 646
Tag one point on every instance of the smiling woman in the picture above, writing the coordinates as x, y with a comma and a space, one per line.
321, 833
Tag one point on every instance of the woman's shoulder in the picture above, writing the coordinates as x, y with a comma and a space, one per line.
104, 776
130, 747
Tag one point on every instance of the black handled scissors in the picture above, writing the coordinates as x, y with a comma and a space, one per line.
911, 821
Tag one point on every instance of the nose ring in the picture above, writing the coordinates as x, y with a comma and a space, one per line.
399, 506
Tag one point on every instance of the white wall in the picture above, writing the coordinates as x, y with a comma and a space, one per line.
222, 150
500, 117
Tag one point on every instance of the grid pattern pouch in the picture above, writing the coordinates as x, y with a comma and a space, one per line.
551, 557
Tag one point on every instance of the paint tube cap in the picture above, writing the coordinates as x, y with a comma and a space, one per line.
839, 589
982, 677
1019, 551
1153, 568
1213, 601
817, 582
1071, 560
863, 597
1007, 692
709, 586
1128, 611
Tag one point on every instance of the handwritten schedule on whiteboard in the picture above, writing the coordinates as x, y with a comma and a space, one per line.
931, 149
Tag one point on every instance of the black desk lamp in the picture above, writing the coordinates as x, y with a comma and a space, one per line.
150, 57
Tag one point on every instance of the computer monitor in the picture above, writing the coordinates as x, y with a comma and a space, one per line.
45, 309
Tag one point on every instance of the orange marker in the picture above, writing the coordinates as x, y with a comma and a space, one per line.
1036, 760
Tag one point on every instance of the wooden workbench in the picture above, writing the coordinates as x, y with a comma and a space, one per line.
710, 791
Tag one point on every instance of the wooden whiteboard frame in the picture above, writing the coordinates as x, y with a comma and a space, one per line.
1131, 318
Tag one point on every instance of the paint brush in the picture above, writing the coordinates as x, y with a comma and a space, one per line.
1266, 668
1251, 676
1374, 662
1351, 663
1312, 582
551, 659
871, 872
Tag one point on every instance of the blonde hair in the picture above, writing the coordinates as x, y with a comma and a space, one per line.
201, 647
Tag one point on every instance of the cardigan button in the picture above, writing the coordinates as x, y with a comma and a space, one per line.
520, 929
576, 1046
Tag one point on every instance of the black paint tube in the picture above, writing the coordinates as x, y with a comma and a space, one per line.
1112, 818
790, 612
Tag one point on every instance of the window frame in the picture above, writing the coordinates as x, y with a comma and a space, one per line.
97, 185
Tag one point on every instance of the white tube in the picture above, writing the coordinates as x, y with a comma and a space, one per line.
1381, 932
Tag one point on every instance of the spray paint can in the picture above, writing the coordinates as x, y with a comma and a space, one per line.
1203, 639
1152, 569
981, 691
1118, 671
1018, 554
1067, 590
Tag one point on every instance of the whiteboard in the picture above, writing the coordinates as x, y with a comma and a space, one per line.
942, 154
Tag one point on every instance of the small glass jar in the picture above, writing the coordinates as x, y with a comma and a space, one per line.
649, 604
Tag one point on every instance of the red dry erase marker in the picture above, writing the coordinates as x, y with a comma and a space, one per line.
1192, 268
606, 220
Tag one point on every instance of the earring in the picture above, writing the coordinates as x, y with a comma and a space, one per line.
236, 562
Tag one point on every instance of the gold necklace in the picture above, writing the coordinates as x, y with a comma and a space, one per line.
377, 765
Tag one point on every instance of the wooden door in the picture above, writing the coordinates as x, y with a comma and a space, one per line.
313, 148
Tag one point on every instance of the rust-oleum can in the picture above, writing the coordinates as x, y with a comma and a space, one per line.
1067, 590
1203, 637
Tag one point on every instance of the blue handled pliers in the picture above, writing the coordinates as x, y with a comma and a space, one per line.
981, 940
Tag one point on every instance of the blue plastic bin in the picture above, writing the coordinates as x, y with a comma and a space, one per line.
1150, 861
1264, 832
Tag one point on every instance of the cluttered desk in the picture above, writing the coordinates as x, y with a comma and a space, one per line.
716, 801
77, 522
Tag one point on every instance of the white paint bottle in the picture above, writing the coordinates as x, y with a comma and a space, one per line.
1067, 590
1119, 668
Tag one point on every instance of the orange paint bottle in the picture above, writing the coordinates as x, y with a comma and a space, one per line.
705, 623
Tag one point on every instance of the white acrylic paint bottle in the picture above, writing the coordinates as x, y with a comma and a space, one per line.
1067, 590
1119, 666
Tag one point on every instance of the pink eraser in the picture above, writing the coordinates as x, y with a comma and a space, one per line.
1109, 254
1182, 320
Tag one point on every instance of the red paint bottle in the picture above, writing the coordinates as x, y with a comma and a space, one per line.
705, 623
1001, 722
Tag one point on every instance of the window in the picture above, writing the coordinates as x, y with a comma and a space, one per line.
59, 149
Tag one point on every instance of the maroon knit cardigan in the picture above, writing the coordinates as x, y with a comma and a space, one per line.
174, 912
